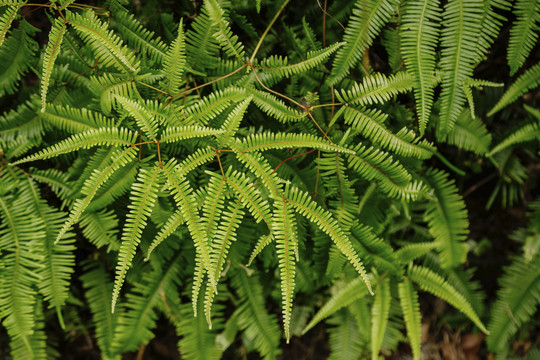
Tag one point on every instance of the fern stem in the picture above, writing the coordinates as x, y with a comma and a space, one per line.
449, 164
266, 31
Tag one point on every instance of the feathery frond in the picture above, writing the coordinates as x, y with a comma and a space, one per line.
411, 313
56, 36
524, 33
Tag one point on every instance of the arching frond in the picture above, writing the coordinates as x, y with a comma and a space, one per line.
413, 251
524, 32
419, 38
528, 81
260, 167
212, 105
100, 228
411, 313
143, 118
107, 86
447, 219
346, 341
461, 21
56, 36
366, 21
525, 133
201, 45
490, 25
143, 197
244, 189
435, 284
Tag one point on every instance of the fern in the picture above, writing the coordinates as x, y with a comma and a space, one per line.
174, 62
51, 53
6, 19
522, 36
411, 313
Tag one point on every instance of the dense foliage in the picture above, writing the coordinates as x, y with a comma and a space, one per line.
247, 170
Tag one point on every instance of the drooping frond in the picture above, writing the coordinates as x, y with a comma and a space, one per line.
17, 55
379, 316
265, 141
366, 21
283, 232
459, 38
525, 133
224, 35
93, 183
56, 36
260, 167
370, 123
174, 221
258, 324
143, 197
413, 251
376, 89
470, 134
174, 63
447, 219
419, 38
303, 203
354, 290
86, 140
261, 244
524, 32
107, 46
411, 314
57, 180
517, 302
214, 201
528, 81
435, 284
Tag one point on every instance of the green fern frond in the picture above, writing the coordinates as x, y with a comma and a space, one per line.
56, 36
470, 134
283, 233
93, 183
435, 284
249, 195
354, 290
214, 202
143, 197
274, 107
224, 34
525, 133
174, 221
524, 32
346, 340
370, 123
259, 326
232, 123
212, 105
86, 140
528, 81
174, 134
490, 25
262, 169
17, 56
107, 46
202, 48
100, 228
447, 219
459, 40
6, 19
74, 120
266, 141
144, 119
108, 86
366, 21
261, 244
57, 180
379, 316
517, 302
419, 38
174, 62
303, 203
411, 314
413, 251
375, 89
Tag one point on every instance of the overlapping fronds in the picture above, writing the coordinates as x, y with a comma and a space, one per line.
435, 284
524, 32
6, 19
458, 41
232, 123
447, 219
224, 35
274, 107
470, 134
524, 133
74, 120
376, 89
211, 106
144, 119
528, 81
346, 340
366, 21
419, 38
201, 45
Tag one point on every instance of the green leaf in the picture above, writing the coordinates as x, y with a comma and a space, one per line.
411, 313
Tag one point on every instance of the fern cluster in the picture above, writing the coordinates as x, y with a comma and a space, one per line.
201, 165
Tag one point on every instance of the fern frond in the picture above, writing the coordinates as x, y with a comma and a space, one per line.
370, 123
517, 302
266, 141
93, 183
413, 251
447, 219
525, 133
470, 134
108, 86
74, 120
379, 316
261, 244
259, 326
107, 46
346, 340
249, 195
274, 107
212, 105
57, 180
143, 197
202, 48
419, 39
56, 36
6, 20
303, 203
214, 201
528, 81
461, 22
86, 140
17, 55
173, 222
435, 284
354, 290
174, 63
283, 233
260, 167
411, 314
144, 119
524, 32
490, 24
375, 89
366, 21
101, 229
232, 123
174, 134
224, 34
